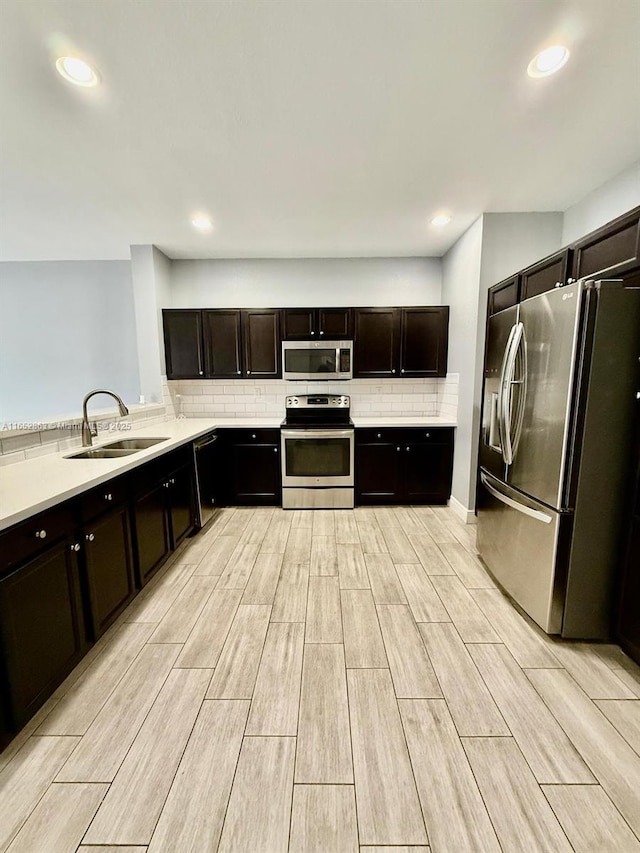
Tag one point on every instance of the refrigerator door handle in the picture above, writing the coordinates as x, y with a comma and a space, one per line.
505, 499
520, 365
502, 426
506, 387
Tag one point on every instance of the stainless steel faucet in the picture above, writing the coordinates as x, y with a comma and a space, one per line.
89, 432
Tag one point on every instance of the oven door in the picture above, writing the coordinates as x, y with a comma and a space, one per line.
317, 457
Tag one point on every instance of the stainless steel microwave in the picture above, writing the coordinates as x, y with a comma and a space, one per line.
317, 360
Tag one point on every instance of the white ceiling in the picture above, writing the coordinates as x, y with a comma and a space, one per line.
303, 127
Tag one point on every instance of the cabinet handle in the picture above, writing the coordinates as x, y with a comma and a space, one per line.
41, 534
254, 435
398, 449
322, 333
275, 449
402, 371
172, 481
558, 284
89, 537
248, 372
165, 485
379, 435
427, 435
108, 497
201, 372
393, 370
408, 449
313, 333
74, 547
239, 372
570, 280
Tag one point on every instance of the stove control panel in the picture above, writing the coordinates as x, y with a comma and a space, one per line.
317, 401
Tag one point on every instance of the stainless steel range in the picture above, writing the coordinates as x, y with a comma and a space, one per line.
317, 438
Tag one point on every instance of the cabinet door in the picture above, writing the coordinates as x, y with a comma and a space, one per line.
428, 470
628, 617
255, 474
299, 324
152, 544
545, 275
41, 628
181, 502
109, 566
610, 248
335, 324
504, 295
222, 344
425, 336
261, 333
378, 472
377, 342
183, 344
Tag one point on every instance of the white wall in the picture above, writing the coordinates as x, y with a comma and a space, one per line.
65, 327
305, 282
607, 201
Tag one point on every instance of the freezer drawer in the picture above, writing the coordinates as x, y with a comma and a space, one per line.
519, 541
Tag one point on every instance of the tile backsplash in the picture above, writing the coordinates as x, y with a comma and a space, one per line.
369, 397
227, 399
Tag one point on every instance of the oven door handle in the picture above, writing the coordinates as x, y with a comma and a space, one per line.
317, 433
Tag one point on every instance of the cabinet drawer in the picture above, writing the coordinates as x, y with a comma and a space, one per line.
545, 275
404, 435
613, 249
21, 543
96, 501
250, 436
144, 478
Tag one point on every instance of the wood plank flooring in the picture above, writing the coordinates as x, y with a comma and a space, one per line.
330, 682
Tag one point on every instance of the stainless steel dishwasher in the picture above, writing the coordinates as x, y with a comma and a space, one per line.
205, 456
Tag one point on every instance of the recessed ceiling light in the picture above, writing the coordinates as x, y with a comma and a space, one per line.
548, 61
76, 71
202, 223
441, 219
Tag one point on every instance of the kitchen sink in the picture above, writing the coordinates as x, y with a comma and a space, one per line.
124, 447
102, 453
133, 443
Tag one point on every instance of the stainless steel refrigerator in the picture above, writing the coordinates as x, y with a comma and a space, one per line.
557, 420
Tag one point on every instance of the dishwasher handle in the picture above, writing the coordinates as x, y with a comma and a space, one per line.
201, 445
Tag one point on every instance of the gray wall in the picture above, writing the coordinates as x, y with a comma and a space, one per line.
612, 199
65, 327
495, 246
305, 282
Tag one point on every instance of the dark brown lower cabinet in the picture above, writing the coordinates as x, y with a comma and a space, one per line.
180, 498
109, 568
404, 466
152, 543
628, 621
253, 467
378, 472
42, 630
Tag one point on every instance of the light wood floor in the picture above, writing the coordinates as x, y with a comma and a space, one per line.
320, 682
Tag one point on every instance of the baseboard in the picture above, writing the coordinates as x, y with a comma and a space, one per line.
468, 516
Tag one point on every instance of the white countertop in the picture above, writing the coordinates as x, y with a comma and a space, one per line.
406, 421
29, 487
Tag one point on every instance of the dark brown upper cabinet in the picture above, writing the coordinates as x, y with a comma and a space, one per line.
504, 295
301, 324
183, 344
424, 337
547, 274
262, 351
223, 343
402, 342
377, 342
614, 247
